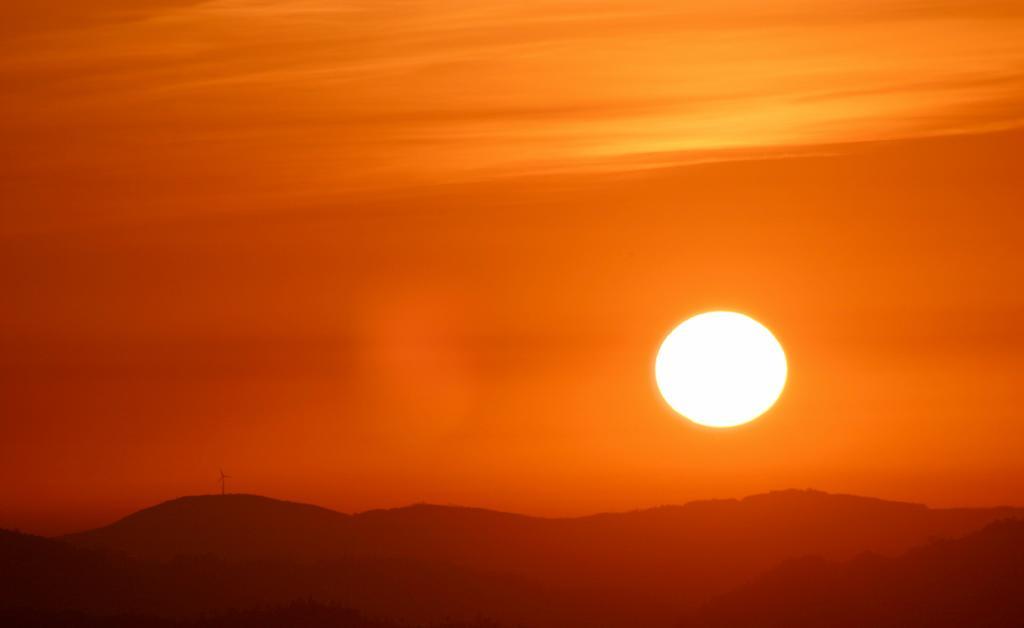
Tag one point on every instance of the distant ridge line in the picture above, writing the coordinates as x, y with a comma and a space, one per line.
807, 493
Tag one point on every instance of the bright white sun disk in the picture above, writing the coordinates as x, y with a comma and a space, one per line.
720, 369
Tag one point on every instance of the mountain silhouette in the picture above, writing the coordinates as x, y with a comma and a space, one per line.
299, 614
228, 526
646, 566
975, 581
44, 580
42, 573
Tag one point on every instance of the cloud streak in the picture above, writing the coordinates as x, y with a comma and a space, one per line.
246, 102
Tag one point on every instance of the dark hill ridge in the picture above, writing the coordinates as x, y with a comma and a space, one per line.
298, 614
231, 526
805, 522
975, 581
47, 582
662, 559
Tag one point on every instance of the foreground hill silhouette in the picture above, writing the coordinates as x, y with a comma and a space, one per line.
976, 581
295, 615
42, 580
424, 562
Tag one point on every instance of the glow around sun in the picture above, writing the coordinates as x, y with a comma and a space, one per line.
721, 369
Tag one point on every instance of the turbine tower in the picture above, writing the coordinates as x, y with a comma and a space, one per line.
223, 482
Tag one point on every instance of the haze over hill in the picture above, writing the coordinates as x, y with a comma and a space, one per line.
618, 568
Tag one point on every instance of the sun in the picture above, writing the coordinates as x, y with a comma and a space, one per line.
720, 369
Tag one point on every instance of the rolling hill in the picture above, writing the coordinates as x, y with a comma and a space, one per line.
974, 581
650, 565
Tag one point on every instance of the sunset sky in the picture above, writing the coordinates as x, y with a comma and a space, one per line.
374, 252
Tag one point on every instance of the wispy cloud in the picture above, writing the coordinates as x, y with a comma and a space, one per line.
26, 18
320, 98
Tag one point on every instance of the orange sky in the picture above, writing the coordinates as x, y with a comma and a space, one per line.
369, 253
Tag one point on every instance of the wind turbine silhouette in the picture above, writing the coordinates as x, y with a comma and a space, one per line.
223, 482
